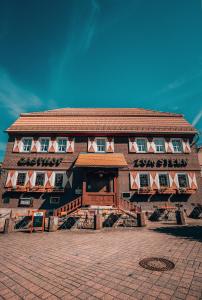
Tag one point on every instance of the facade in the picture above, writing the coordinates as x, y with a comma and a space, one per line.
200, 157
67, 158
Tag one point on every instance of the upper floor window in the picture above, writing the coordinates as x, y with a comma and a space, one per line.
40, 179
159, 145
144, 180
183, 181
177, 145
164, 180
141, 145
61, 145
26, 144
100, 145
21, 178
59, 180
44, 144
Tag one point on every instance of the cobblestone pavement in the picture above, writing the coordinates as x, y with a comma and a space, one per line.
101, 265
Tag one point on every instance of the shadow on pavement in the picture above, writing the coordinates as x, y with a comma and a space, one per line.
187, 232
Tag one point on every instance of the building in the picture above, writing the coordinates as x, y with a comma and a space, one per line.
67, 158
200, 157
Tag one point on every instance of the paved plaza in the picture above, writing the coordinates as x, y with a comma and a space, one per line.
101, 265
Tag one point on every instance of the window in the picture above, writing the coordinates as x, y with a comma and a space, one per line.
59, 180
21, 179
141, 145
62, 145
26, 144
163, 180
126, 195
25, 202
54, 200
144, 180
40, 178
159, 145
44, 144
101, 145
177, 145
182, 180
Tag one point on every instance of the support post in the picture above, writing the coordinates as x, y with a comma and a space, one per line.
98, 222
141, 221
180, 217
8, 226
52, 223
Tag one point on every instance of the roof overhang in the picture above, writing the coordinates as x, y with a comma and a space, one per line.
106, 160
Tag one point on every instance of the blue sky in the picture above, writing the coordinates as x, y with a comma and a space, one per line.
100, 53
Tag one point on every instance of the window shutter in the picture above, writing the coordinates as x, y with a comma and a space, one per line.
91, 144
186, 146
53, 145
173, 180
17, 145
48, 179
132, 145
150, 145
168, 146
154, 180
70, 145
34, 145
134, 180
68, 179
9, 183
192, 181
110, 144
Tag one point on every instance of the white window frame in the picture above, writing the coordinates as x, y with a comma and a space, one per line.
181, 145
41, 138
55, 197
39, 172
146, 140
22, 144
163, 139
149, 180
25, 172
164, 173
188, 183
101, 138
63, 182
57, 148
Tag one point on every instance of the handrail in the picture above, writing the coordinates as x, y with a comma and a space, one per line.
125, 204
69, 207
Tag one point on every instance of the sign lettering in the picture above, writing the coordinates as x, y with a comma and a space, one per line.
160, 163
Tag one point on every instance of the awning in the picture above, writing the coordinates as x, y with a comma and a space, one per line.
107, 160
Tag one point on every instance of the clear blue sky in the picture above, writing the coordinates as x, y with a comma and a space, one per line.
100, 53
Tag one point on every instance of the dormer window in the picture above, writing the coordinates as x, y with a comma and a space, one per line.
101, 145
44, 144
62, 145
141, 145
26, 144
159, 145
177, 145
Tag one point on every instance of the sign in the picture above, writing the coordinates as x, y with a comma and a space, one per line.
25, 201
160, 163
38, 218
40, 161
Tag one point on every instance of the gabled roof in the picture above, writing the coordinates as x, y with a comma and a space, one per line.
101, 120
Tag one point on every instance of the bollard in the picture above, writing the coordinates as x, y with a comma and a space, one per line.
180, 217
141, 221
52, 223
98, 222
8, 226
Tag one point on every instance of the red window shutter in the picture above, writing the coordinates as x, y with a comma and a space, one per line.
132, 145
91, 144
110, 144
16, 147
134, 185
70, 145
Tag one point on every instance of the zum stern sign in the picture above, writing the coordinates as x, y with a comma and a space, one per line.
161, 163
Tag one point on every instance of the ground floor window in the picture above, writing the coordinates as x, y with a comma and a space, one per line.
54, 200
183, 180
40, 179
59, 180
144, 180
26, 202
164, 180
21, 178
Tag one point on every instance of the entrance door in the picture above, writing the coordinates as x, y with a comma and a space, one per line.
100, 188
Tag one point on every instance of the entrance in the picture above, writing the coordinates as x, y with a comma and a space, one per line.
99, 187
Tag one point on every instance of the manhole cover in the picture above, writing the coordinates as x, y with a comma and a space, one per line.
157, 264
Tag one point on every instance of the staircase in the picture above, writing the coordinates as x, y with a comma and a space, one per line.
196, 212
68, 208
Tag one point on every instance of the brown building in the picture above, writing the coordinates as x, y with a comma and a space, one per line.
67, 158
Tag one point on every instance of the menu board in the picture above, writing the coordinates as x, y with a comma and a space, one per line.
38, 220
